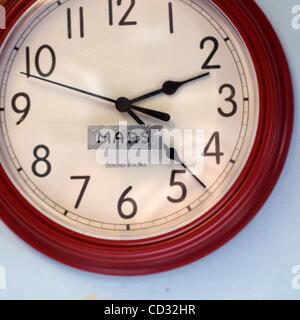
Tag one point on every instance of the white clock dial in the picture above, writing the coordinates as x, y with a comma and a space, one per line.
63, 55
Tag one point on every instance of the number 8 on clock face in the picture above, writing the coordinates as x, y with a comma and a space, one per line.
74, 52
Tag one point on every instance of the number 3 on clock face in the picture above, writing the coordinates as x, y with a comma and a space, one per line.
70, 65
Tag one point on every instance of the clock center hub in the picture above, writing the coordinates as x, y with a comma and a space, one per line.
123, 104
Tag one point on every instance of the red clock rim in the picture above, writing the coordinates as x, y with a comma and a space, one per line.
219, 224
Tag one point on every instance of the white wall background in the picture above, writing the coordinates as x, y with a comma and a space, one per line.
257, 264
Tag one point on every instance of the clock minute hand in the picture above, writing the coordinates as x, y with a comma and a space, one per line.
69, 87
172, 153
168, 88
126, 106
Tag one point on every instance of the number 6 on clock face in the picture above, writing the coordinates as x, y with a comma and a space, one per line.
72, 68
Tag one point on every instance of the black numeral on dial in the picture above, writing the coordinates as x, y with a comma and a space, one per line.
214, 141
41, 167
127, 200
45, 49
70, 25
230, 99
123, 21
181, 185
17, 101
86, 180
215, 46
171, 17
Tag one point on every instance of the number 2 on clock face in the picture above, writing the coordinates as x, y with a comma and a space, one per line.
90, 63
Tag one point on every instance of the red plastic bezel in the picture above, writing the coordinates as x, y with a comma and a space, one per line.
222, 222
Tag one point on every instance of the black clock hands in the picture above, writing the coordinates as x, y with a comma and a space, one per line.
171, 152
69, 87
125, 105
135, 117
122, 104
168, 88
173, 155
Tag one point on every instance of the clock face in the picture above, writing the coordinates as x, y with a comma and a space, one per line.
70, 69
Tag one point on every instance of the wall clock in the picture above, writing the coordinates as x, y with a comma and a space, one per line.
72, 67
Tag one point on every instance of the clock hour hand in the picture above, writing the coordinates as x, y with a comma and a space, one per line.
153, 113
122, 104
171, 152
168, 88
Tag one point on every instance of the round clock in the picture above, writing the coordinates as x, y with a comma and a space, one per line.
202, 85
